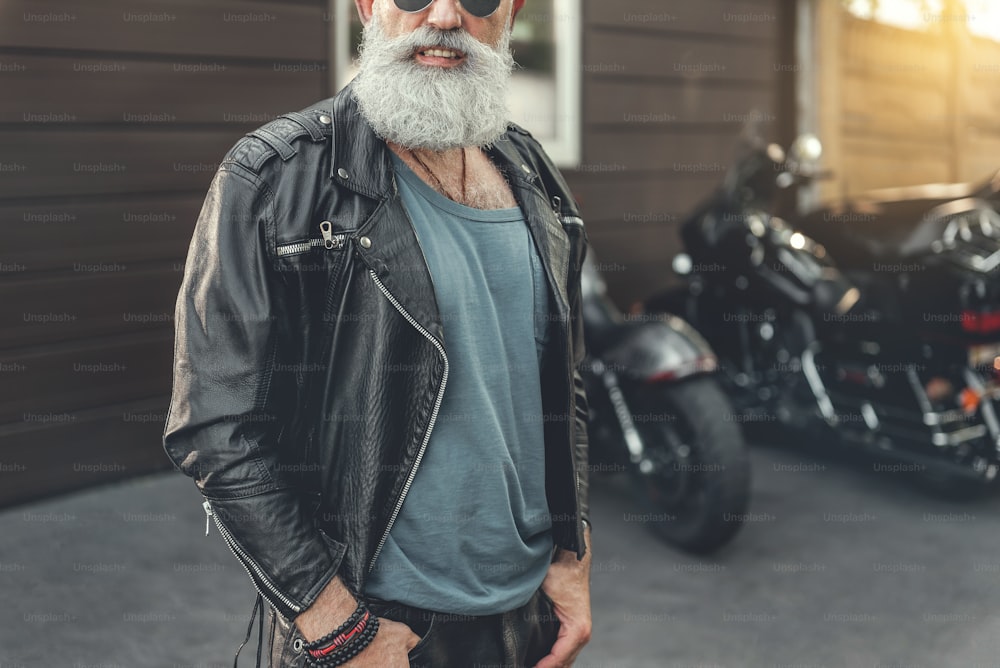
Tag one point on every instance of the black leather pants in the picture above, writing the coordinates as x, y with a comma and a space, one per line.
515, 639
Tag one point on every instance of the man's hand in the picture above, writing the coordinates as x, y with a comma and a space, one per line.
568, 585
333, 606
389, 649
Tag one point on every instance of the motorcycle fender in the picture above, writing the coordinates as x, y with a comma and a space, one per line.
662, 347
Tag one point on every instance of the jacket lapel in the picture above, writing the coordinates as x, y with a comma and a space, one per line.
550, 239
360, 162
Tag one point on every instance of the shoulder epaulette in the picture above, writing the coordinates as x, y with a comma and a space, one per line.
278, 137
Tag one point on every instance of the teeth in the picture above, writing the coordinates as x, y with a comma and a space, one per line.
441, 53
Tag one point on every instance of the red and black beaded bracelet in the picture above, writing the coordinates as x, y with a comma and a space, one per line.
345, 641
347, 652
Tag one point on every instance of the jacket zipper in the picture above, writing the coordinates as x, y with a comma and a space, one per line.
245, 559
329, 241
430, 425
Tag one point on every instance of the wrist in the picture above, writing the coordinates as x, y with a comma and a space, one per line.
346, 641
330, 610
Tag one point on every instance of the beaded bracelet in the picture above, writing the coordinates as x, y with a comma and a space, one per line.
347, 652
345, 641
341, 639
347, 625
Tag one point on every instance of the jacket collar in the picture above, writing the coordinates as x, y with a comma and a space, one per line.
359, 159
360, 162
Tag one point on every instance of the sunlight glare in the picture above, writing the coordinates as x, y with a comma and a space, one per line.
908, 14
984, 18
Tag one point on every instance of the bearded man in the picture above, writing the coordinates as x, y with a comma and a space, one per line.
376, 383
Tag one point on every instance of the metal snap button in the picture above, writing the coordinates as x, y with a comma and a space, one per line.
297, 645
365, 242
325, 120
342, 173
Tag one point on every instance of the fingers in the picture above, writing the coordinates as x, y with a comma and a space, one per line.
559, 656
566, 648
551, 661
400, 630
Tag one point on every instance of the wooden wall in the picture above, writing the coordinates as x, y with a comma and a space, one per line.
667, 87
113, 117
906, 107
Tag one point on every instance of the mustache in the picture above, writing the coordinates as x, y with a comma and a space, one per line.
402, 48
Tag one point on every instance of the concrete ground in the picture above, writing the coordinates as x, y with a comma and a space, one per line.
839, 565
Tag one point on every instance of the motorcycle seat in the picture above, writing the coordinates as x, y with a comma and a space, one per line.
896, 231
878, 235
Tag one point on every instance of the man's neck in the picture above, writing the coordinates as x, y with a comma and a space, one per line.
465, 175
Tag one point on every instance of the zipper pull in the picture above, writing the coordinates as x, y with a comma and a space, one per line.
326, 228
557, 206
208, 514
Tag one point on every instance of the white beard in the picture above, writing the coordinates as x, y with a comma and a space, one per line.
419, 106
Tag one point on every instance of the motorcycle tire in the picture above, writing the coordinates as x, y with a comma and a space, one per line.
697, 488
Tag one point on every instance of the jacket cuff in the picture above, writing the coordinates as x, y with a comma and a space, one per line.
289, 560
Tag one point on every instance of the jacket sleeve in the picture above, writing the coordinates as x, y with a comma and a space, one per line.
223, 427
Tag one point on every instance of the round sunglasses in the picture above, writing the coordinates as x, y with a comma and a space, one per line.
478, 8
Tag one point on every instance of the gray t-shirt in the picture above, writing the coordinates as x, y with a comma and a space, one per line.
474, 533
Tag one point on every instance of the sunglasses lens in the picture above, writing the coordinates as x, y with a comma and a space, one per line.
413, 5
481, 8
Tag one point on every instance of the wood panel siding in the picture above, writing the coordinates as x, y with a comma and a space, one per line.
978, 136
60, 235
668, 86
627, 197
88, 302
906, 107
149, 93
716, 18
613, 102
46, 452
101, 162
64, 378
257, 31
113, 119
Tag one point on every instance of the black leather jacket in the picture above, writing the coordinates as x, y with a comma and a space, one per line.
310, 359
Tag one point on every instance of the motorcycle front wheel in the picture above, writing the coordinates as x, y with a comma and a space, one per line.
694, 480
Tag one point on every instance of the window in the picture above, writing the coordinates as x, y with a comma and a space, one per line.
544, 94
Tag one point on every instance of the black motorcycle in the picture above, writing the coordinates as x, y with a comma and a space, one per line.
891, 348
657, 412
